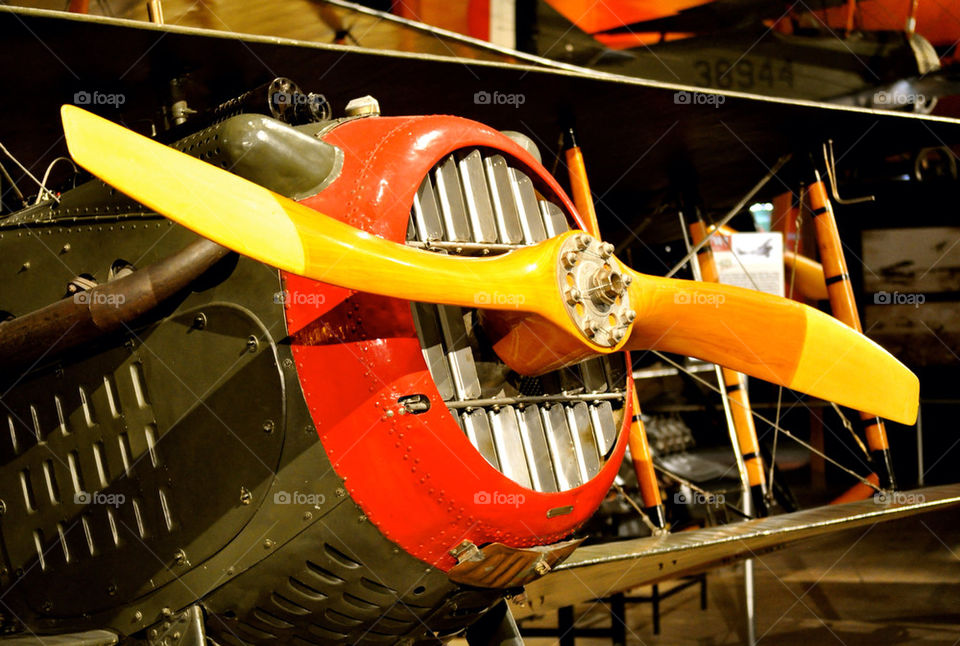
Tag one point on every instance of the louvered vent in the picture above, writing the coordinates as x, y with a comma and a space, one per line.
549, 433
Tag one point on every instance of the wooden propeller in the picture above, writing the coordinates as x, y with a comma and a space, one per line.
559, 302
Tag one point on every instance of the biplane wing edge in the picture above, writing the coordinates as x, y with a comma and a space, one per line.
598, 571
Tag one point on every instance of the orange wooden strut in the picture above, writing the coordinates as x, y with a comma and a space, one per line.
643, 465
639, 446
579, 185
844, 307
735, 386
786, 209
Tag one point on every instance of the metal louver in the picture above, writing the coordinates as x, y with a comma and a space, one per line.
550, 433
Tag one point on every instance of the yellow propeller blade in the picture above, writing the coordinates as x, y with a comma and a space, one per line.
278, 231
772, 338
535, 320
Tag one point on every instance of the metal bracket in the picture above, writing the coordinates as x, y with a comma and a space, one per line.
467, 551
184, 628
505, 567
832, 176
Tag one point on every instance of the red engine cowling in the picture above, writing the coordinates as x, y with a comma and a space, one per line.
418, 477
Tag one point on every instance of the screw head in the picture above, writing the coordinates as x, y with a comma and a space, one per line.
582, 241
617, 335
630, 316
606, 250
573, 296
569, 259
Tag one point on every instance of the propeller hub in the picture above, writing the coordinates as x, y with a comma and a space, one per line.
595, 289
607, 286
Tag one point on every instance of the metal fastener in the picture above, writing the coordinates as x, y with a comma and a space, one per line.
363, 106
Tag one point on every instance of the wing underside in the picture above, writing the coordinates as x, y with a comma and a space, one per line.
598, 571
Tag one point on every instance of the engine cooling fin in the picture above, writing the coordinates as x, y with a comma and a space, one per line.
550, 433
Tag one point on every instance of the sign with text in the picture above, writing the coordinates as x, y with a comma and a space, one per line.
751, 260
